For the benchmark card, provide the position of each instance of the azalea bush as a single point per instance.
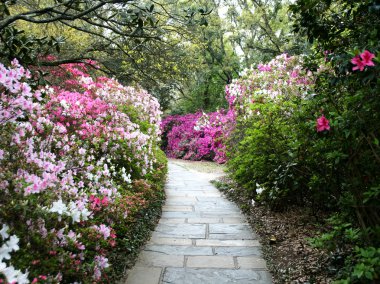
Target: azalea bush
(264, 148)
(307, 133)
(79, 166)
(197, 136)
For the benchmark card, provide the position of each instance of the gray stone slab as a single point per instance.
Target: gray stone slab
(180, 230)
(155, 259)
(238, 251)
(208, 198)
(170, 241)
(203, 220)
(173, 198)
(227, 243)
(172, 220)
(215, 276)
(195, 193)
(222, 214)
(240, 236)
(251, 262)
(179, 215)
(180, 202)
(144, 275)
(215, 205)
(214, 261)
(229, 228)
(179, 250)
(234, 220)
(230, 232)
(177, 208)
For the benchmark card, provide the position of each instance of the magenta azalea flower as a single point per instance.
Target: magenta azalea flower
(365, 59)
(323, 124)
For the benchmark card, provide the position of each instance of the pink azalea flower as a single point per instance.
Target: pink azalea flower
(358, 62)
(365, 59)
(323, 124)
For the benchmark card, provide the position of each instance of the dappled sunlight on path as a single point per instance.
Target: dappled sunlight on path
(201, 237)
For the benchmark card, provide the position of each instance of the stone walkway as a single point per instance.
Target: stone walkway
(202, 238)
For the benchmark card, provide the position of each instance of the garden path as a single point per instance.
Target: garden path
(202, 238)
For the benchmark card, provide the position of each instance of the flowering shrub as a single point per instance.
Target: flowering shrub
(197, 136)
(311, 139)
(266, 102)
(68, 162)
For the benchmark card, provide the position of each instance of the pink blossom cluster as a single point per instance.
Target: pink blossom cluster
(198, 136)
(323, 124)
(281, 77)
(67, 158)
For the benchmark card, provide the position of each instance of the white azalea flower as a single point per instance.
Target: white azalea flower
(74, 212)
(2, 266)
(14, 276)
(13, 243)
(3, 231)
(85, 214)
(58, 207)
(22, 278)
(259, 189)
(5, 252)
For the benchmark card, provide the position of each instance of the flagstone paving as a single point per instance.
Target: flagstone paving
(202, 238)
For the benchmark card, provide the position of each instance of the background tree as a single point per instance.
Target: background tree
(261, 29)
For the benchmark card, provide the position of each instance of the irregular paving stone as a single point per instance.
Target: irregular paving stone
(179, 250)
(215, 276)
(238, 251)
(222, 214)
(235, 220)
(251, 262)
(200, 206)
(144, 275)
(178, 208)
(228, 243)
(240, 236)
(148, 258)
(203, 220)
(192, 193)
(228, 228)
(214, 261)
(180, 215)
(180, 202)
(180, 230)
(230, 231)
(173, 220)
(170, 241)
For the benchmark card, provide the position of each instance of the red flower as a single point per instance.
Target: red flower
(323, 124)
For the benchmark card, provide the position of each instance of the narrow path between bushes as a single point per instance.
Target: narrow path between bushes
(202, 238)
